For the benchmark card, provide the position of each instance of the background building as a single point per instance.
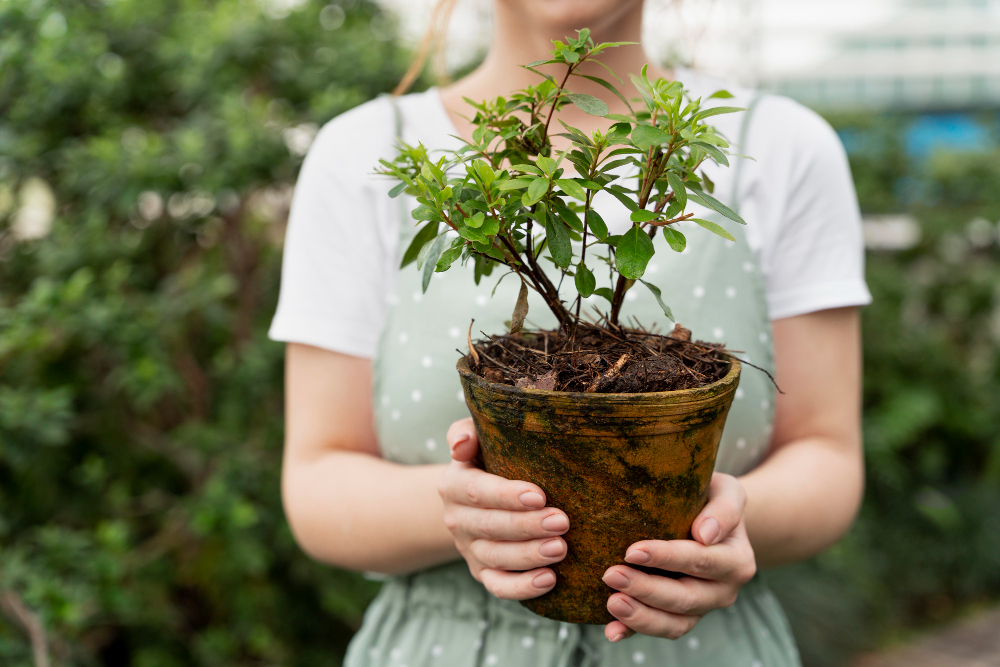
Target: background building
(927, 54)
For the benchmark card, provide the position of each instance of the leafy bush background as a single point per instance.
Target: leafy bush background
(140, 402)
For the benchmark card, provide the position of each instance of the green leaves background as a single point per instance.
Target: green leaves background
(140, 400)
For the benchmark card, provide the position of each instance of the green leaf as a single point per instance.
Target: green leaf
(472, 234)
(714, 139)
(659, 298)
(482, 266)
(575, 135)
(677, 185)
(596, 224)
(476, 220)
(568, 215)
(476, 204)
(647, 136)
(546, 164)
(490, 227)
(514, 183)
(429, 261)
(672, 211)
(572, 188)
(714, 228)
(622, 195)
(716, 111)
(642, 215)
(634, 251)
(485, 172)
(588, 103)
(709, 185)
(398, 190)
(711, 202)
(720, 95)
(608, 85)
(420, 239)
(535, 192)
(448, 257)
(675, 239)
(585, 280)
(424, 213)
(558, 238)
(488, 249)
(614, 164)
(606, 292)
(607, 45)
(716, 154)
(529, 168)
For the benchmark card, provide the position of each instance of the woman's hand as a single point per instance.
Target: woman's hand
(501, 527)
(718, 561)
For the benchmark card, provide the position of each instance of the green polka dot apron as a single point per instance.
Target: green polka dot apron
(444, 617)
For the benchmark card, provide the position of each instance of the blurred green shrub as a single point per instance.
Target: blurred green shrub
(927, 544)
(147, 151)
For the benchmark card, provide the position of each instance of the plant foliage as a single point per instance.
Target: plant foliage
(147, 151)
(505, 199)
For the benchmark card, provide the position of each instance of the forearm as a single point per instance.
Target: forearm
(802, 499)
(360, 512)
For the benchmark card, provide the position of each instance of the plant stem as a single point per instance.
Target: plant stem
(586, 225)
(555, 101)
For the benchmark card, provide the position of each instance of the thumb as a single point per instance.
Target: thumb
(724, 511)
(463, 440)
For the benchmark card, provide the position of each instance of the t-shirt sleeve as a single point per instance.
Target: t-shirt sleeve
(336, 267)
(815, 257)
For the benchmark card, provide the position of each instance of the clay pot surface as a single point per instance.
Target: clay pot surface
(624, 468)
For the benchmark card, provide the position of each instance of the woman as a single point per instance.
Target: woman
(368, 485)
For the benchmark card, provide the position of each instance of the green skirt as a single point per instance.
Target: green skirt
(445, 618)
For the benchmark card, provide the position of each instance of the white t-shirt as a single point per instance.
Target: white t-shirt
(342, 249)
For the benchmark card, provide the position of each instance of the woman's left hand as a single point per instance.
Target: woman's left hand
(719, 560)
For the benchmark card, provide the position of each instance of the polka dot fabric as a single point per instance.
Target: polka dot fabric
(443, 617)
(448, 620)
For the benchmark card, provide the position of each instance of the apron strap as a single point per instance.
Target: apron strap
(734, 202)
(397, 123)
(397, 117)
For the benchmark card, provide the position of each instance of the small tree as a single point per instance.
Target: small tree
(515, 199)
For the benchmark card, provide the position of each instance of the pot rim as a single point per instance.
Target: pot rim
(720, 387)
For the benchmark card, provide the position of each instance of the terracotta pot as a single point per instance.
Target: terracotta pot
(624, 468)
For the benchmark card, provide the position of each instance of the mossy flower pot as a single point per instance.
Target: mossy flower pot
(624, 468)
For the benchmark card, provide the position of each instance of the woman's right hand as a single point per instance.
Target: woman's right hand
(501, 527)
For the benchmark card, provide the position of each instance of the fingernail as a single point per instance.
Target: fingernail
(709, 531)
(532, 499)
(552, 548)
(555, 523)
(459, 440)
(637, 556)
(544, 580)
(616, 579)
(620, 608)
(617, 638)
